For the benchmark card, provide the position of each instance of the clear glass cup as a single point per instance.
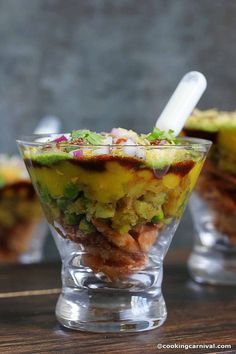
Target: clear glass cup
(113, 216)
(22, 224)
(213, 208)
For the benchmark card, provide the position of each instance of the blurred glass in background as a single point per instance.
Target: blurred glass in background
(213, 204)
(22, 224)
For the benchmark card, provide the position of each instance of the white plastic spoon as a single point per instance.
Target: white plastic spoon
(182, 102)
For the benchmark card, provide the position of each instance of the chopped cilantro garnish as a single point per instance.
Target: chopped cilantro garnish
(91, 137)
(1, 181)
(158, 134)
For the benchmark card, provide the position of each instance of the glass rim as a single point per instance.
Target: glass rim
(193, 143)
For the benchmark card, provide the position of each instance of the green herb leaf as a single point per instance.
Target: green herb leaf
(158, 134)
(91, 137)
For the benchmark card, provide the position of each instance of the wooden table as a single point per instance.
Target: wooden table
(196, 315)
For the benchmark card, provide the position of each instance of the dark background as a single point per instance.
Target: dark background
(105, 63)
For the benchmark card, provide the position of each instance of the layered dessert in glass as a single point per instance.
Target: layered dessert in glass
(22, 228)
(113, 202)
(213, 204)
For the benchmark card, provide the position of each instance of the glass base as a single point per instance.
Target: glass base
(211, 266)
(98, 310)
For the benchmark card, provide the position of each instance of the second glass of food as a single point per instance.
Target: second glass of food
(22, 224)
(213, 203)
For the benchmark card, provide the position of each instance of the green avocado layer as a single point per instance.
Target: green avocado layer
(154, 158)
(211, 120)
(50, 158)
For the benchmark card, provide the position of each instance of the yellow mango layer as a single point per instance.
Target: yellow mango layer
(116, 182)
(194, 173)
(106, 186)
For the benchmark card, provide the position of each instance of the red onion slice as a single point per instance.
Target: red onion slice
(60, 139)
(77, 153)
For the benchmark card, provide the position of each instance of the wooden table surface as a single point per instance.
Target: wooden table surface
(196, 315)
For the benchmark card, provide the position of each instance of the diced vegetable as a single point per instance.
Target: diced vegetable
(60, 139)
(71, 191)
(45, 196)
(86, 226)
(72, 219)
(160, 216)
(77, 153)
(62, 203)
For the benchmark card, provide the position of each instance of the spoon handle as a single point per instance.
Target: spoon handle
(182, 102)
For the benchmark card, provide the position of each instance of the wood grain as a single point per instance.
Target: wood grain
(196, 315)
